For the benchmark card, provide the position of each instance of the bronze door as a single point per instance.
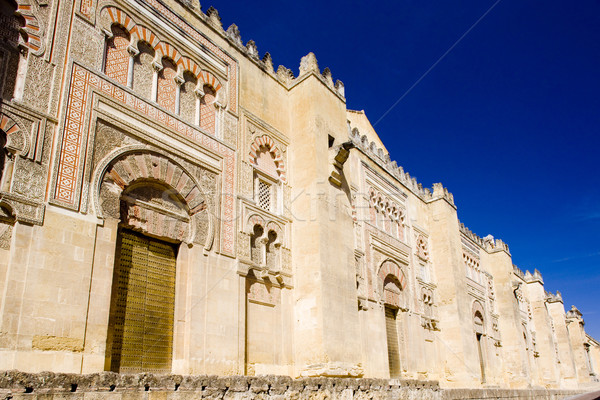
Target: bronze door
(143, 305)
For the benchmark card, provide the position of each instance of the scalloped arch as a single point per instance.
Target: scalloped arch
(267, 142)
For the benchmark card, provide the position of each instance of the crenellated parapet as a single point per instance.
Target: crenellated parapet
(536, 276)
(488, 243)
(519, 272)
(473, 236)
(382, 158)
(308, 63)
(554, 298)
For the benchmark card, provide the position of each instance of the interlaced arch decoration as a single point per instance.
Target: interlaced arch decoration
(110, 15)
(265, 143)
(135, 167)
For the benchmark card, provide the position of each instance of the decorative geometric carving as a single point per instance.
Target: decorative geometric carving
(152, 193)
(117, 57)
(230, 130)
(386, 214)
(5, 234)
(112, 15)
(67, 180)
(422, 250)
(86, 7)
(24, 209)
(262, 293)
(29, 179)
(166, 90)
(7, 221)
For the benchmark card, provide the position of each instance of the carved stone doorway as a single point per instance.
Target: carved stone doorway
(140, 335)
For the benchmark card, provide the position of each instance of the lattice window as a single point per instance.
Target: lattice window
(264, 195)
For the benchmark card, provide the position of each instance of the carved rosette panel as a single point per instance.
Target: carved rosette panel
(422, 247)
(208, 185)
(202, 223)
(107, 139)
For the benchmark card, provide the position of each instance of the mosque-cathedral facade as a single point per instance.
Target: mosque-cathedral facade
(171, 203)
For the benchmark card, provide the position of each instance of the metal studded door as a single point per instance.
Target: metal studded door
(143, 305)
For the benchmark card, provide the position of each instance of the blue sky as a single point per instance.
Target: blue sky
(508, 120)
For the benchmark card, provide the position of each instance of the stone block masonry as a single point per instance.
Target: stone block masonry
(16, 385)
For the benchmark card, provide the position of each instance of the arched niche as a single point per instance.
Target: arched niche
(478, 317)
(392, 284)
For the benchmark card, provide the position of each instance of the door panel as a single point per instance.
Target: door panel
(142, 314)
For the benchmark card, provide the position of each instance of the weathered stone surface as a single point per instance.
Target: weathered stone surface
(300, 248)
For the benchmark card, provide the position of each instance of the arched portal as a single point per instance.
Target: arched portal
(158, 205)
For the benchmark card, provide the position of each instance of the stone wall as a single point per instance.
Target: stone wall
(16, 385)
